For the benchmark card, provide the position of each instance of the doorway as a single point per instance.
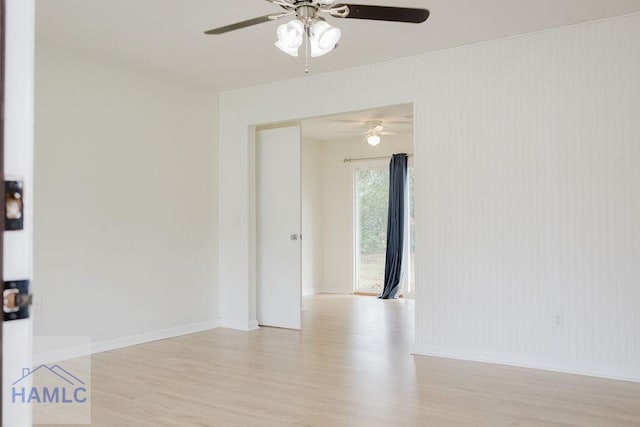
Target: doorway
(336, 162)
(345, 188)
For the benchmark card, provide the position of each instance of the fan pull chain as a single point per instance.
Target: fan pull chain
(306, 51)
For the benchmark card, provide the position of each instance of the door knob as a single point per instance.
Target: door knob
(294, 237)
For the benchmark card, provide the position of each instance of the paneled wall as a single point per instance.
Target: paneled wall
(530, 201)
(527, 161)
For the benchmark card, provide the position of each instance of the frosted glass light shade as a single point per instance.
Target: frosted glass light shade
(293, 51)
(290, 37)
(324, 38)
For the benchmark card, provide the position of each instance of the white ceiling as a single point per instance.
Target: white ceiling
(167, 35)
(396, 118)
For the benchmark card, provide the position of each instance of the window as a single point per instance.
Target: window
(371, 206)
(372, 195)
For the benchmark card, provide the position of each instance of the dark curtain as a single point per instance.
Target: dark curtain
(395, 226)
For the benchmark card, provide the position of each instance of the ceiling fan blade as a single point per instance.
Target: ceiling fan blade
(398, 122)
(285, 4)
(384, 13)
(239, 25)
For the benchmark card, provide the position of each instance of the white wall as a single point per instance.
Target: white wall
(126, 179)
(338, 204)
(312, 236)
(527, 197)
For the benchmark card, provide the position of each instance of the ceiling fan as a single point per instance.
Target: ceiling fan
(310, 27)
(375, 131)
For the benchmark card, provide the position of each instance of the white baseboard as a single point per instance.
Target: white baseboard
(116, 343)
(336, 291)
(253, 325)
(313, 291)
(585, 369)
(240, 325)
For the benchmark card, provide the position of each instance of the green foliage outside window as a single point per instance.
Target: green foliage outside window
(373, 200)
(374, 195)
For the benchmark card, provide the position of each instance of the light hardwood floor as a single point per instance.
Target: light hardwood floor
(350, 366)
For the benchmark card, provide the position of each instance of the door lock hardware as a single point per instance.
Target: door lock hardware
(16, 300)
(13, 205)
(294, 237)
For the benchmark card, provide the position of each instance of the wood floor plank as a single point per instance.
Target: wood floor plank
(349, 366)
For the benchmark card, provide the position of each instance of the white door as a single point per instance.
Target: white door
(278, 250)
(18, 166)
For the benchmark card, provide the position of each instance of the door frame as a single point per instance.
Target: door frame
(2, 204)
(241, 129)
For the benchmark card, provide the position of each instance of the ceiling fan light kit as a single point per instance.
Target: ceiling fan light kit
(374, 133)
(290, 37)
(374, 140)
(324, 38)
(321, 36)
(310, 28)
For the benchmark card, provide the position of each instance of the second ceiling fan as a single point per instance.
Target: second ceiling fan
(309, 24)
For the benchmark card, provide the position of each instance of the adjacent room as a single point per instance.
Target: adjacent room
(399, 213)
(329, 179)
(345, 199)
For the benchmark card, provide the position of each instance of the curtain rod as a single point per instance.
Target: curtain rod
(350, 160)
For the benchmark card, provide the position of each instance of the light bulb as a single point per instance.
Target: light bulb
(373, 140)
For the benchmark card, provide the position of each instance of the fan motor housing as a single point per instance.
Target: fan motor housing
(306, 10)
